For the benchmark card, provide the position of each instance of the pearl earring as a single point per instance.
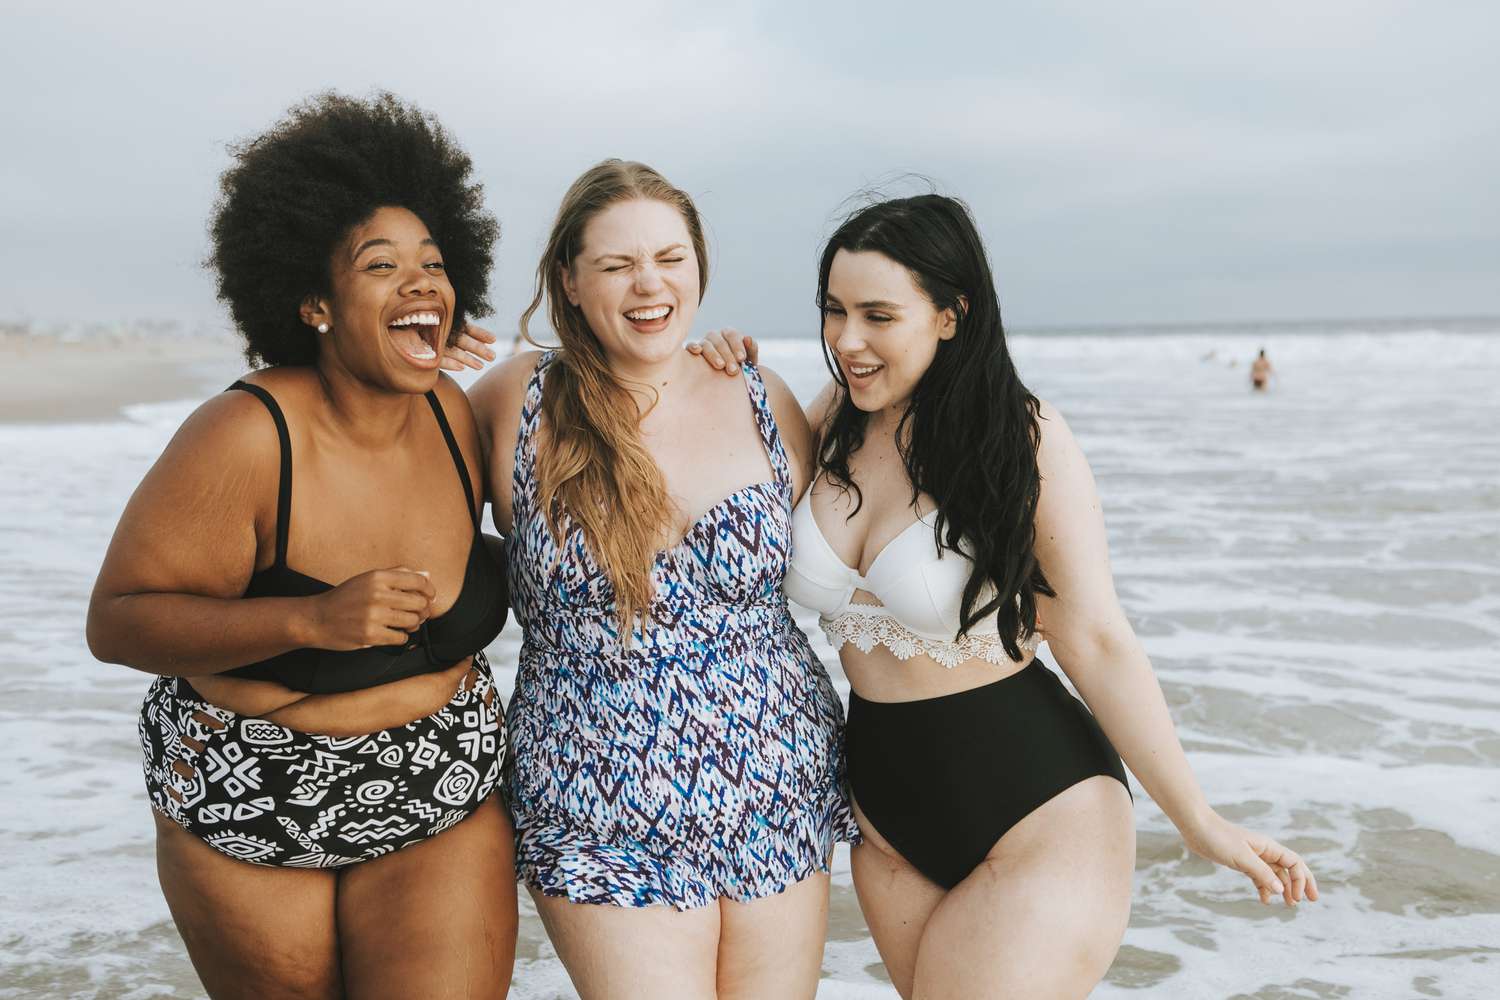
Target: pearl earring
(322, 327)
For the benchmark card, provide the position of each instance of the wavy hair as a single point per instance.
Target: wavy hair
(595, 470)
(970, 432)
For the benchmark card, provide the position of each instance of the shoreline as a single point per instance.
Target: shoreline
(45, 380)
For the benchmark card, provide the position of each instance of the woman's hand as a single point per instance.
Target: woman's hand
(468, 350)
(725, 348)
(379, 608)
(1275, 870)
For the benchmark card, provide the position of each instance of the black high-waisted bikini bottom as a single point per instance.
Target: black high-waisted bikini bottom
(942, 779)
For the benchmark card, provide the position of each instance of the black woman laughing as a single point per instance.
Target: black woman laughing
(303, 570)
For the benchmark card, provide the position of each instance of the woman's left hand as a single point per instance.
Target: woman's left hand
(1275, 870)
(468, 350)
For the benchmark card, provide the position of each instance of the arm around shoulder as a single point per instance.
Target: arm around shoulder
(791, 421)
(497, 399)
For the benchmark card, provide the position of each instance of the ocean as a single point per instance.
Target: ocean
(1314, 570)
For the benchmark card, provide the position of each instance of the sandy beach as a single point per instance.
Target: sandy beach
(48, 380)
(1315, 572)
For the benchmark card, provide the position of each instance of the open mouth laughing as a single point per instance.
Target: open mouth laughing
(416, 334)
(649, 319)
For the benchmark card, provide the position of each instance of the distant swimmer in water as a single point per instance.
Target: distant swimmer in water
(1261, 371)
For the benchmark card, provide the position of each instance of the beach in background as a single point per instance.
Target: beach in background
(1315, 572)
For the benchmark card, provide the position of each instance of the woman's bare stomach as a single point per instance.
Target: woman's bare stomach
(348, 713)
(879, 676)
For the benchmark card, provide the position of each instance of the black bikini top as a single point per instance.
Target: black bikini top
(476, 617)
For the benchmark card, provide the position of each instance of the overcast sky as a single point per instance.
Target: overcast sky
(1127, 162)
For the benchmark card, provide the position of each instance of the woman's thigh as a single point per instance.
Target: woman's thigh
(251, 931)
(437, 919)
(896, 899)
(1044, 913)
(634, 953)
(773, 947)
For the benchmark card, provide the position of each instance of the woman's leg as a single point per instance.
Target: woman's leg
(634, 953)
(437, 919)
(251, 931)
(1044, 913)
(773, 947)
(897, 901)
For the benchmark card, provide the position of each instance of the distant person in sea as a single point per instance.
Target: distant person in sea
(953, 525)
(675, 773)
(321, 756)
(1261, 372)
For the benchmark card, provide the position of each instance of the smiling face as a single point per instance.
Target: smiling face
(881, 328)
(636, 281)
(391, 305)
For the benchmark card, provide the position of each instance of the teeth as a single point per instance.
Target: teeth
(426, 354)
(865, 371)
(640, 315)
(418, 319)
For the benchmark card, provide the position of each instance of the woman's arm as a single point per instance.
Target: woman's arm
(497, 399)
(167, 599)
(1087, 631)
(796, 436)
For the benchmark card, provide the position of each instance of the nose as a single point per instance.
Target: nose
(848, 339)
(647, 278)
(418, 281)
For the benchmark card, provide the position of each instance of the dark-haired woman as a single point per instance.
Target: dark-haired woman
(954, 523)
(303, 569)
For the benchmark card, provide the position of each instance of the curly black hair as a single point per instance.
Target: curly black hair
(296, 191)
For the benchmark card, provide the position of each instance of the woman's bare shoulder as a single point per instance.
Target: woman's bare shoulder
(504, 386)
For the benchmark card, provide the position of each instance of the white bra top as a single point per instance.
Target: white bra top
(919, 585)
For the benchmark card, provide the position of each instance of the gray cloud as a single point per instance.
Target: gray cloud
(1150, 161)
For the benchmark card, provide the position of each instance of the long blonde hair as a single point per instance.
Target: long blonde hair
(595, 469)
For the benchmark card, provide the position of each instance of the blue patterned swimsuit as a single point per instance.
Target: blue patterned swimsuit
(704, 760)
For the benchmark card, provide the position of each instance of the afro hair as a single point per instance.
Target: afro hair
(295, 192)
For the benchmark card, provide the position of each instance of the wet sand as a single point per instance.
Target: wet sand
(46, 380)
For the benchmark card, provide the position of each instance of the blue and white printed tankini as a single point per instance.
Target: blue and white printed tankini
(703, 761)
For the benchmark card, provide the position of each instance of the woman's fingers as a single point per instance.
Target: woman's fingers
(1266, 882)
(706, 350)
(476, 347)
(469, 349)
(1298, 878)
(476, 332)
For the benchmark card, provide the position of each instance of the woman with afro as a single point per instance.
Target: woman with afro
(303, 571)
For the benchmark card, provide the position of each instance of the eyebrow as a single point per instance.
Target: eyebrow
(872, 304)
(383, 242)
(626, 256)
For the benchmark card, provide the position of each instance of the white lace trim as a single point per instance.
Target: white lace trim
(869, 625)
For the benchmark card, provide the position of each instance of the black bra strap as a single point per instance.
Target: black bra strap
(458, 456)
(284, 488)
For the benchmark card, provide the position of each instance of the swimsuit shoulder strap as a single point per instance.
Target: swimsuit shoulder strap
(765, 420)
(456, 452)
(284, 486)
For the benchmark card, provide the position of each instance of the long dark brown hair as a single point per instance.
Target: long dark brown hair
(970, 432)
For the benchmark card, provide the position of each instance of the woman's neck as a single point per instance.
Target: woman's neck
(649, 384)
(367, 415)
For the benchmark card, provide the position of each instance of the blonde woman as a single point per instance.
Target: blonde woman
(675, 773)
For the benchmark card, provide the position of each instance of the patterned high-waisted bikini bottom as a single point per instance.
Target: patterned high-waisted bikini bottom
(263, 793)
